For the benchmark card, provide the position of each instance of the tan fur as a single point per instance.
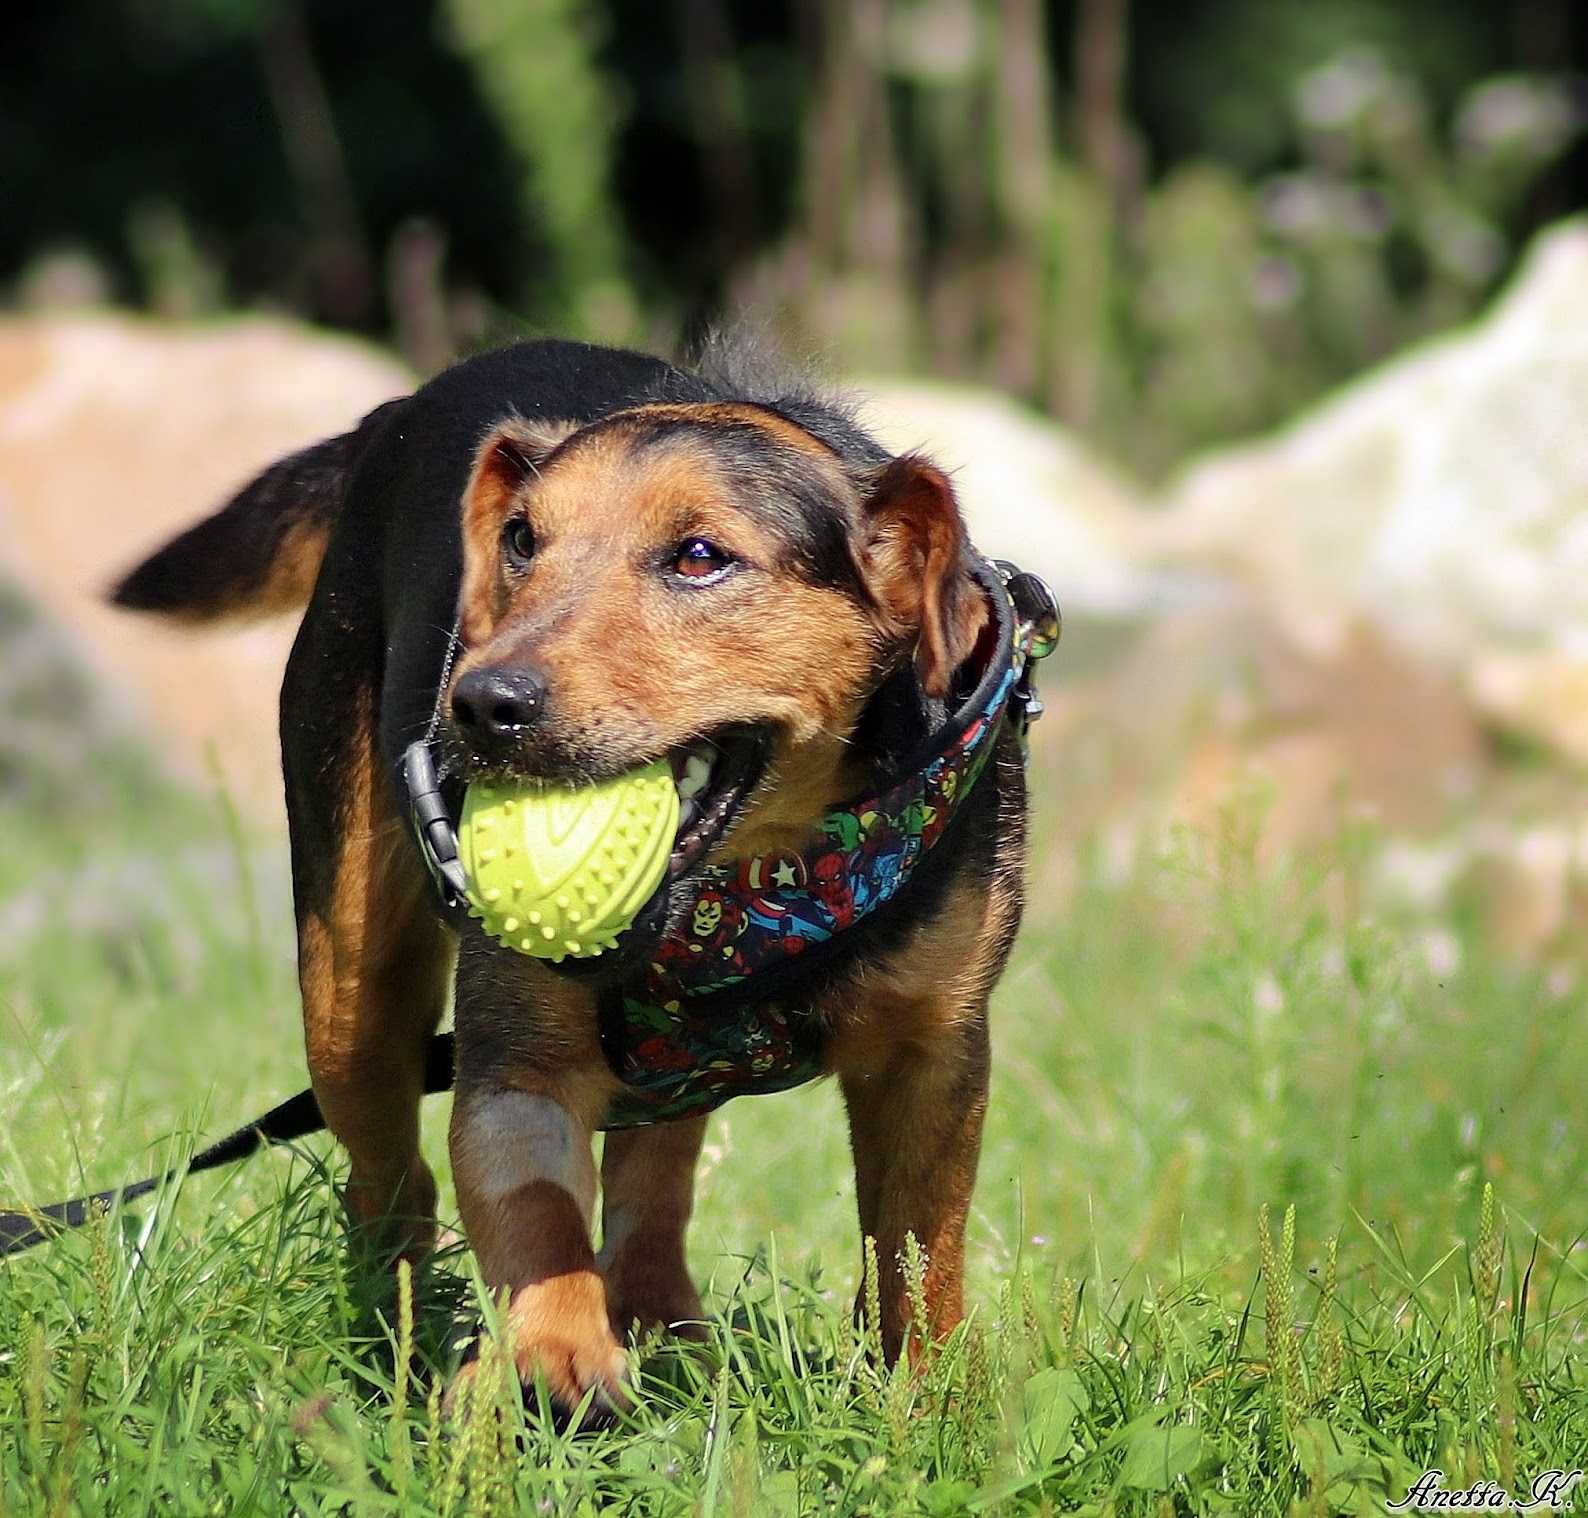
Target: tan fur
(914, 545)
(634, 665)
(803, 657)
(803, 654)
(526, 1205)
(628, 672)
(508, 454)
(289, 582)
(909, 1041)
(293, 571)
(373, 976)
(801, 785)
(647, 1194)
(556, 1324)
(910, 1049)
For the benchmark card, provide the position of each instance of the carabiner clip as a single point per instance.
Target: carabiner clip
(438, 838)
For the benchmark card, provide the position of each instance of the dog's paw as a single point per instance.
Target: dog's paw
(647, 1305)
(398, 1225)
(558, 1334)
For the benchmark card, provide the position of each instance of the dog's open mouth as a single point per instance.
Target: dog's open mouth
(714, 776)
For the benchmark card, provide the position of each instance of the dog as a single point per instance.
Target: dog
(564, 561)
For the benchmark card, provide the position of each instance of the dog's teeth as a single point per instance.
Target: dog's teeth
(687, 814)
(697, 776)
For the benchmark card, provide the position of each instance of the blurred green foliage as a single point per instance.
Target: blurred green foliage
(1167, 226)
(1241, 300)
(537, 72)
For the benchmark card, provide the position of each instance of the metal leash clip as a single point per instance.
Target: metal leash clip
(1037, 608)
(438, 838)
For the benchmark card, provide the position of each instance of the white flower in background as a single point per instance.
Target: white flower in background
(1517, 114)
(1342, 90)
(1441, 951)
(1268, 1000)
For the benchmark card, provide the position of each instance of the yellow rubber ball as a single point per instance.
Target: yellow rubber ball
(559, 871)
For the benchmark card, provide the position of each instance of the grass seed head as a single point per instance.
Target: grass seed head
(915, 1263)
(872, 1292)
(1489, 1251)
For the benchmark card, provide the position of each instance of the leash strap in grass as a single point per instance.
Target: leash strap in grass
(293, 1119)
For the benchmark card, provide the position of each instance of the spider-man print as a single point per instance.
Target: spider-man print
(830, 886)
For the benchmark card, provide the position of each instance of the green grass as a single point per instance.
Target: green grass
(1178, 1045)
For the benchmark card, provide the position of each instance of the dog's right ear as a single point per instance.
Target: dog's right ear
(511, 453)
(508, 458)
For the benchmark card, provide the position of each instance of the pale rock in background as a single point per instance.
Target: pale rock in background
(1336, 612)
(114, 434)
(1212, 702)
(1440, 498)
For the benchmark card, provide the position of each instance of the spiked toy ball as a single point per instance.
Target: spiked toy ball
(560, 871)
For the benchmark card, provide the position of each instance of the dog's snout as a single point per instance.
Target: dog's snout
(498, 702)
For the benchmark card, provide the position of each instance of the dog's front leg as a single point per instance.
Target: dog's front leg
(647, 1193)
(526, 1187)
(531, 1087)
(915, 1126)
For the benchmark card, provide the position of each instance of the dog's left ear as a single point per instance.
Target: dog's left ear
(913, 561)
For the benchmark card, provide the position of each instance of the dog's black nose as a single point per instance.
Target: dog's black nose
(498, 702)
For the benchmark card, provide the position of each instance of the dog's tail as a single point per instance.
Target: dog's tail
(261, 552)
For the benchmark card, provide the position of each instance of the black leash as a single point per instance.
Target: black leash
(298, 1115)
(293, 1119)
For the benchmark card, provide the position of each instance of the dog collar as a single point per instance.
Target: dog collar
(716, 1013)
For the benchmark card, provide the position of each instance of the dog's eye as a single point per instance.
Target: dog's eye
(518, 541)
(699, 559)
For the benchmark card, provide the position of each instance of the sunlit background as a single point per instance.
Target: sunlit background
(1259, 327)
(1166, 225)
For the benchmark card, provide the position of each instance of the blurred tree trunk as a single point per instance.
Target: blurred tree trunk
(857, 211)
(536, 62)
(948, 152)
(1082, 347)
(716, 104)
(959, 257)
(855, 202)
(1024, 152)
(341, 270)
(416, 293)
(1100, 133)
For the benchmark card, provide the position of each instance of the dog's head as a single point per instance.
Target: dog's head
(710, 582)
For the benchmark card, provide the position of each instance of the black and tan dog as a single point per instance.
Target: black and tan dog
(565, 561)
